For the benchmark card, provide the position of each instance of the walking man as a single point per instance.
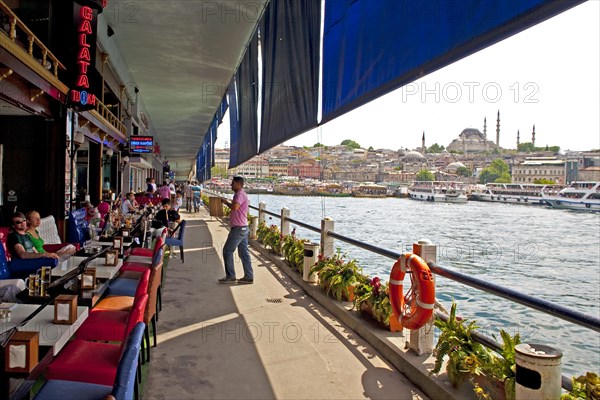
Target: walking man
(238, 235)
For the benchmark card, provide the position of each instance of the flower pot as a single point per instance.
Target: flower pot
(491, 386)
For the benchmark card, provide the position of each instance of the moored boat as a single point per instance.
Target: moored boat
(583, 196)
(515, 193)
(438, 191)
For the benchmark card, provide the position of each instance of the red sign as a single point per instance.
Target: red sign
(81, 96)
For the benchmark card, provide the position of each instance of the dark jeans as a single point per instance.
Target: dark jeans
(238, 238)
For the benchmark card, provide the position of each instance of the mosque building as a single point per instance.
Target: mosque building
(471, 140)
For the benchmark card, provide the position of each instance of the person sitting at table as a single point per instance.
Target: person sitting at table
(129, 205)
(33, 223)
(19, 243)
(165, 215)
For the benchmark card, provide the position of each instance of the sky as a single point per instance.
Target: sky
(547, 76)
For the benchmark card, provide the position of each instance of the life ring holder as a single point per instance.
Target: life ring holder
(415, 308)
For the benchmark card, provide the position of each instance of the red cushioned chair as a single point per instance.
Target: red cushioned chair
(91, 362)
(119, 302)
(124, 387)
(110, 325)
(148, 253)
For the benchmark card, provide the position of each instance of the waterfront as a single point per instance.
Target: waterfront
(551, 254)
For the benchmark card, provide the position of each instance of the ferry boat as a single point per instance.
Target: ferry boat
(370, 190)
(515, 193)
(583, 196)
(438, 191)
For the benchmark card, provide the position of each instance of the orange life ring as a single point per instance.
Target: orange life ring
(416, 307)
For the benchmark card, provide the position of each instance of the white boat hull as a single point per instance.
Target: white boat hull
(438, 197)
(573, 204)
(508, 199)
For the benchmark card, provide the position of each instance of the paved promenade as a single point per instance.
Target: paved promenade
(261, 341)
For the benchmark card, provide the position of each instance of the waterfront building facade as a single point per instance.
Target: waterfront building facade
(533, 168)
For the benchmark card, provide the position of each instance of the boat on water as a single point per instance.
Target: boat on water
(370, 190)
(438, 191)
(515, 193)
(583, 196)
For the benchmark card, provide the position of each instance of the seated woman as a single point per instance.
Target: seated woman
(129, 205)
(165, 217)
(33, 223)
(19, 243)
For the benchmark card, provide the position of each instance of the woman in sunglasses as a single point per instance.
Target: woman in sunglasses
(19, 243)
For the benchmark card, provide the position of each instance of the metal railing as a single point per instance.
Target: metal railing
(547, 307)
(14, 23)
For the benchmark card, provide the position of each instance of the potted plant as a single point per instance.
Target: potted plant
(584, 387)
(337, 276)
(373, 298)
(492, 376)
(293, 251)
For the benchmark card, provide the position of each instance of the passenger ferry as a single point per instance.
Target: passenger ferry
(438, 191)
(515, 193)
(583, 196)
(370, 190)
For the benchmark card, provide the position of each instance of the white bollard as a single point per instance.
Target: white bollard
(327, 225)
(421, 340)
(285, 224)
(253, 227)
(261, 211)
(311, 252)
(538, 372)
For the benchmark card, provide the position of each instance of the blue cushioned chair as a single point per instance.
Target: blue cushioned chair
(125, 381)
(19, 268)
(171, 241)
(77, 227)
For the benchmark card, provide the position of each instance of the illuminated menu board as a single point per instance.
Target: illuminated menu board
(141, 144)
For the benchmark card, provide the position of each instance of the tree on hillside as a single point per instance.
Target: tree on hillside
(371, 148)
(350, 144)
(463, 171)
(435, 148)
(497, 171)
(527, 147)
(318, 145)
(425, 175)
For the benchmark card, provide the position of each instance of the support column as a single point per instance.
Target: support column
(327, 225)
(285, 224)
(421, 340)
(261, 211)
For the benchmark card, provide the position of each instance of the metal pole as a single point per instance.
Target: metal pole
(72, 157)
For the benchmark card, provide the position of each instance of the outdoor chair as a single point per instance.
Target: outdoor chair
(178, 241)
(125, 382)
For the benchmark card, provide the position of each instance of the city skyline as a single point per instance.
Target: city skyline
(546, 76)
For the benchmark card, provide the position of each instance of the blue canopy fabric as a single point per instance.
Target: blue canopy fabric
(290, 44)
(243, 112)
(371, 47)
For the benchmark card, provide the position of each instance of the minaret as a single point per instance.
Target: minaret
(498, 131)
(484, 128)
(533, 137)
(423, 142)
(518, 139)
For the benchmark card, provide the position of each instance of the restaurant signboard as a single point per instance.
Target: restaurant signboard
(141, 144)
(83, 57)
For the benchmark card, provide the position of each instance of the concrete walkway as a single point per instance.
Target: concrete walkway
(261, 341)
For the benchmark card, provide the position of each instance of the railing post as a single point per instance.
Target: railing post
(285, 224)
(327, 225)
(261, 211)
(253, 227)
(421, 340)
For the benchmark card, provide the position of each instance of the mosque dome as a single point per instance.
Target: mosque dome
(472, 134)
(453, 167)
(414, 157)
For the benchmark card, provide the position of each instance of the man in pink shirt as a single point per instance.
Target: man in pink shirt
(238, 235)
